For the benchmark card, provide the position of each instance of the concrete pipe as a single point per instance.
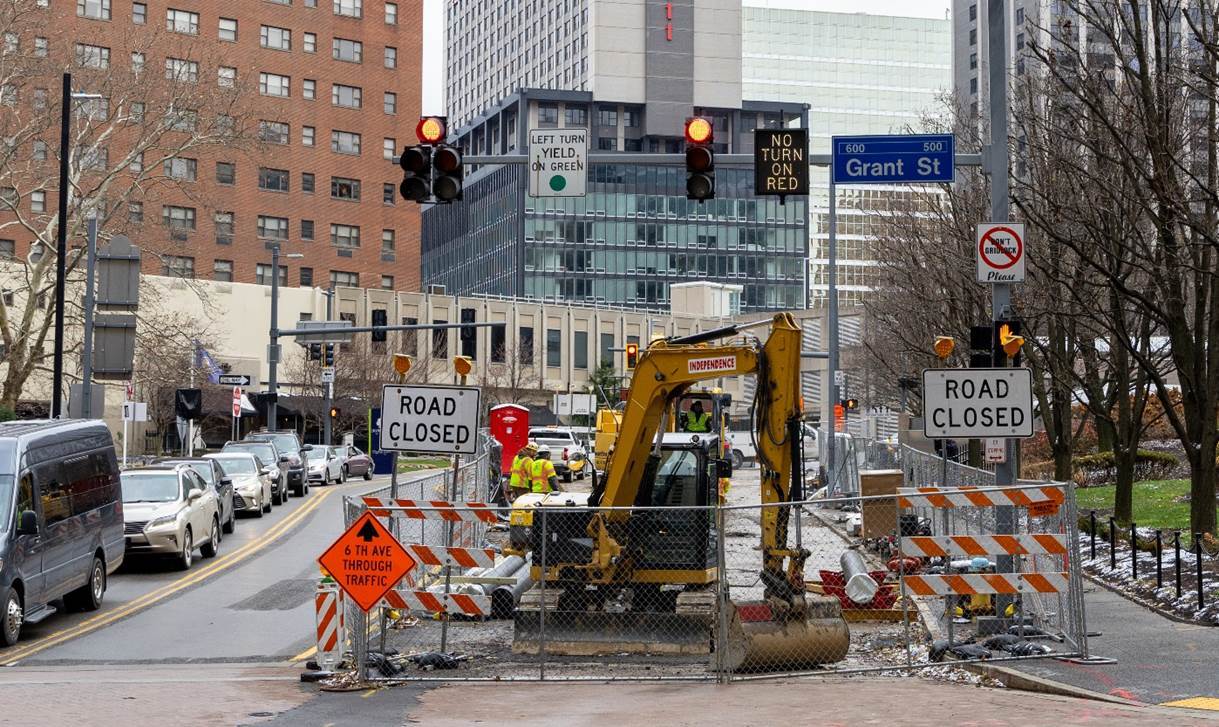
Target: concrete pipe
(504, 597)
(861, 588)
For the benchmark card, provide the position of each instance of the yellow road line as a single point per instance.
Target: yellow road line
(1210, 703)
(368, 694)
(105, 619)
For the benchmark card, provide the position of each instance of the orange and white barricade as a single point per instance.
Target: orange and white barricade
(458, 604)
(971, 584)
(331, 631)
(937, 546)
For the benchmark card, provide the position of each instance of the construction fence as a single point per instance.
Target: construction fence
(891, 582)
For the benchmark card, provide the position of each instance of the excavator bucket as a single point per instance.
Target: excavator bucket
(762, 637)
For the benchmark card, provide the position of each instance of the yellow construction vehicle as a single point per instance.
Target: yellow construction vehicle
(627, 573)
(608, 421)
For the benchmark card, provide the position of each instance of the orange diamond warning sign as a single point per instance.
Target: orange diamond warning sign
(367, 561)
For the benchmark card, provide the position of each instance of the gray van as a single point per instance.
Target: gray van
(61, 519)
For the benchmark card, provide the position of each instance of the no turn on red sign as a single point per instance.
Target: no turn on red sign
(1000, 252)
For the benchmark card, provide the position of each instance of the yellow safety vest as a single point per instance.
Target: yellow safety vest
(698, 422)
(540, 473)
(521, 468)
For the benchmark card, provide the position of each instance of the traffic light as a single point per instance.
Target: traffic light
(379, 318)
(432, 169)
(700, 159)
(632, 355)
(1008, 342)
(315, 352)
(328, 355)
(850, 404)
(334, 412)
(416, 163)
(449, 173)
(944, 346)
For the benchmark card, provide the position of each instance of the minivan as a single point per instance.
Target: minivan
(61, 519)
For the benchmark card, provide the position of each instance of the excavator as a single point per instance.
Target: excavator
(632, 566)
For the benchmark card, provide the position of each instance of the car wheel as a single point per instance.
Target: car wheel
(277, 497)
(89, 596)
(567, 476)
(231, 525)
(10, 629)
(213, 543)
(265, 507)
(368, 473)
(343, 475)
(738, 459)
(187, 556)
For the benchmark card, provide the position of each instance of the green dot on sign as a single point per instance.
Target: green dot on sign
(558, 182)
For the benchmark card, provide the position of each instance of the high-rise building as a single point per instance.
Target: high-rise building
(1026, 24)
(859, 74)
(645, 68)
(282, 120)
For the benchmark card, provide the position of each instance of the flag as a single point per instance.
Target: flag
(205, 361)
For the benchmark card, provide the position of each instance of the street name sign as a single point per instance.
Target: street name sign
(234, 380)
(558, 162)
(434, 419)
(1000, 252)
(977, 403)
(780, 161)
(900, 159)
(366, 561)
(324, 332)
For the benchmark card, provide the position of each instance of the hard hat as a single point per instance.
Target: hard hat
(532, 446)
(543, 451)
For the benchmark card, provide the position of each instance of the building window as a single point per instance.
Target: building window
(273, 180)
(345, 236)
(226, 173)
(580, 349)
(349, 8)
(526, 345)
(135, 212)
(182, 21)
(973, 61)
(308, 135)
(182, 169)
(307, 183)
(1019, 41)
(262, 274)
(178, 266)
(38, 201)
(344, 279)
(9, 197)
(137, 112)
(92, 56)
(350, 97)
(390, 103)
(607, 144)
(387, 242)
(607, 349)
(274, 228)
(499, 344)
(226, 77)
(273, 132)
(973, 85)
(548, 115)
(179, 218)
(973, 36)
(344, 188)
(222, 270)
(183, 119)
(224, 227)
(576, 116)
(181, 69)
(973, 12)
(630, 119)
(41, 47)
(391, 57)
(228, 30)
(345, 142)
(309, 89)
(440, 341)
(351, 51)
(388, 147)
(275, 38)
(273, 84)
(137, 63)
(306, 229)
(139, 13)
(554, 348)
(391, 13)
(607, 117)
(388, 194)
(40, 151)
(306, 277)
(40, 99)
(636, 145)
(1019, 16)
(93, 9)
(387, 282)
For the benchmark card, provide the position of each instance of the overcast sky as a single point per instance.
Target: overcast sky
(433, 31)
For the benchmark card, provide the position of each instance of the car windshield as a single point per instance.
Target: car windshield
(205, 471)
(237, 465)
(264, 450)
(6, 501)
(316, 454)
(150, 487)
(285, 442)
(336, 451)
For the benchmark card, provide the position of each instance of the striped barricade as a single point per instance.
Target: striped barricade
(435, 510)
(942, 497)
(438, 555)
(328, 607)
(968, 584)
(460, 604)
(937, 546)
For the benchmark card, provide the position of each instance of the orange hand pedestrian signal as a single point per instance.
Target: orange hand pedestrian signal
(1011, 343)
(366, 561)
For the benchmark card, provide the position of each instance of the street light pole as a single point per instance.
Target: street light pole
(329, 386)
(273, 349)
(61, 246)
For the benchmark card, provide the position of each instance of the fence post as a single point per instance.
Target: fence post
(901, 580)
(1198, 563)
(721, 599)
(1092, 530)
(542, 592)
(1159, 559)
(1134, 552)
(1176, 544)
(1112, 545)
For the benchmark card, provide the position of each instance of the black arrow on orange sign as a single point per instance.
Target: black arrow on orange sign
(368, 533)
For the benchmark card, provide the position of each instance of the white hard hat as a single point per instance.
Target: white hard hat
(543, 451)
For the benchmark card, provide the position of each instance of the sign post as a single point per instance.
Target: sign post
(1001, 252)
(236, 412)
(558, 162)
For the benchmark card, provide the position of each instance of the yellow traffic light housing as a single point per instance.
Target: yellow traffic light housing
(463, 365)
(944, 346)
(1010, 343)
(402, 363)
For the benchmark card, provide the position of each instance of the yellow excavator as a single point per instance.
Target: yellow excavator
(626, 571)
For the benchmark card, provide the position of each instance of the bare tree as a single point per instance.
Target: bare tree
(511, 378)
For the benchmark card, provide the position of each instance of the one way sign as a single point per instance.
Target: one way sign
(366, 561)
(234, 380)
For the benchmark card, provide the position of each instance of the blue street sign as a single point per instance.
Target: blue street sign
(901, 159)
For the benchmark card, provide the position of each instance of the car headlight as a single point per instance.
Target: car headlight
(249, 488)
(162, 522)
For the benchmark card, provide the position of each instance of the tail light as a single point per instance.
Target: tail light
(565, 454)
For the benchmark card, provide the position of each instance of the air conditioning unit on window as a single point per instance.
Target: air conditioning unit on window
(436, 290)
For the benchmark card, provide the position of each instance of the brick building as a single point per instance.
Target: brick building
(321, 93)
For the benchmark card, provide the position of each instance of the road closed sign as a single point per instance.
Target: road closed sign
(558, 162)
(432, 419)
(977, 403)
(1000, 252)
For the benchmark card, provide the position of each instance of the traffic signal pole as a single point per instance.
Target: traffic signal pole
(329, 403)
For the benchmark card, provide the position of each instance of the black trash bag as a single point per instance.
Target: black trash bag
(435, 660)
(1000, 642)
(1026, 648)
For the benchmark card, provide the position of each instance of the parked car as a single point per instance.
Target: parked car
(170, 510)
(324, 466)
(290, 444)
(357, 462)
(267, 452)
(221, 483)
(251, 481)
(61, 519)
(742, 450)
(568, 454)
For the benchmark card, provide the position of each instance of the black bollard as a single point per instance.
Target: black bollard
(1176, 545)
(1093, 530)
(1134, 552)
(1159, 559)
(1198, 561)
(1112, 546)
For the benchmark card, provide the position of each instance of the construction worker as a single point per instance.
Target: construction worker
(522, 470)
(544, 478)
(698, 420)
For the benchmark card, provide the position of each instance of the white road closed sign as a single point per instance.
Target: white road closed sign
(433, 419)
(558, 162)
(977, 403)
(1001, 252)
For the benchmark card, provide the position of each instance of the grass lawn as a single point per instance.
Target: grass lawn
(1155, 503)
(414, 464)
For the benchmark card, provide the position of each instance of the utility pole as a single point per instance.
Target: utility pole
(329, 403)
(273, 349)
(86, 386)
(61, 245)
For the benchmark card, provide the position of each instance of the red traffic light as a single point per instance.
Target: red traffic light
(431, 129)
(699, 130)
(632, 355)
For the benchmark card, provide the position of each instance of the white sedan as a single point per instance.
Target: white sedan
(251, 481)
(323, 465)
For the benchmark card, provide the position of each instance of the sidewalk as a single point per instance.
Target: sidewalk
(1158, 660)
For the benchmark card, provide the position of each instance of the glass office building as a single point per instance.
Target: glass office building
(634, 233)
(859, 74)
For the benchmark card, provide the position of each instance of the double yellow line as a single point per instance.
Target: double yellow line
(148, 599)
